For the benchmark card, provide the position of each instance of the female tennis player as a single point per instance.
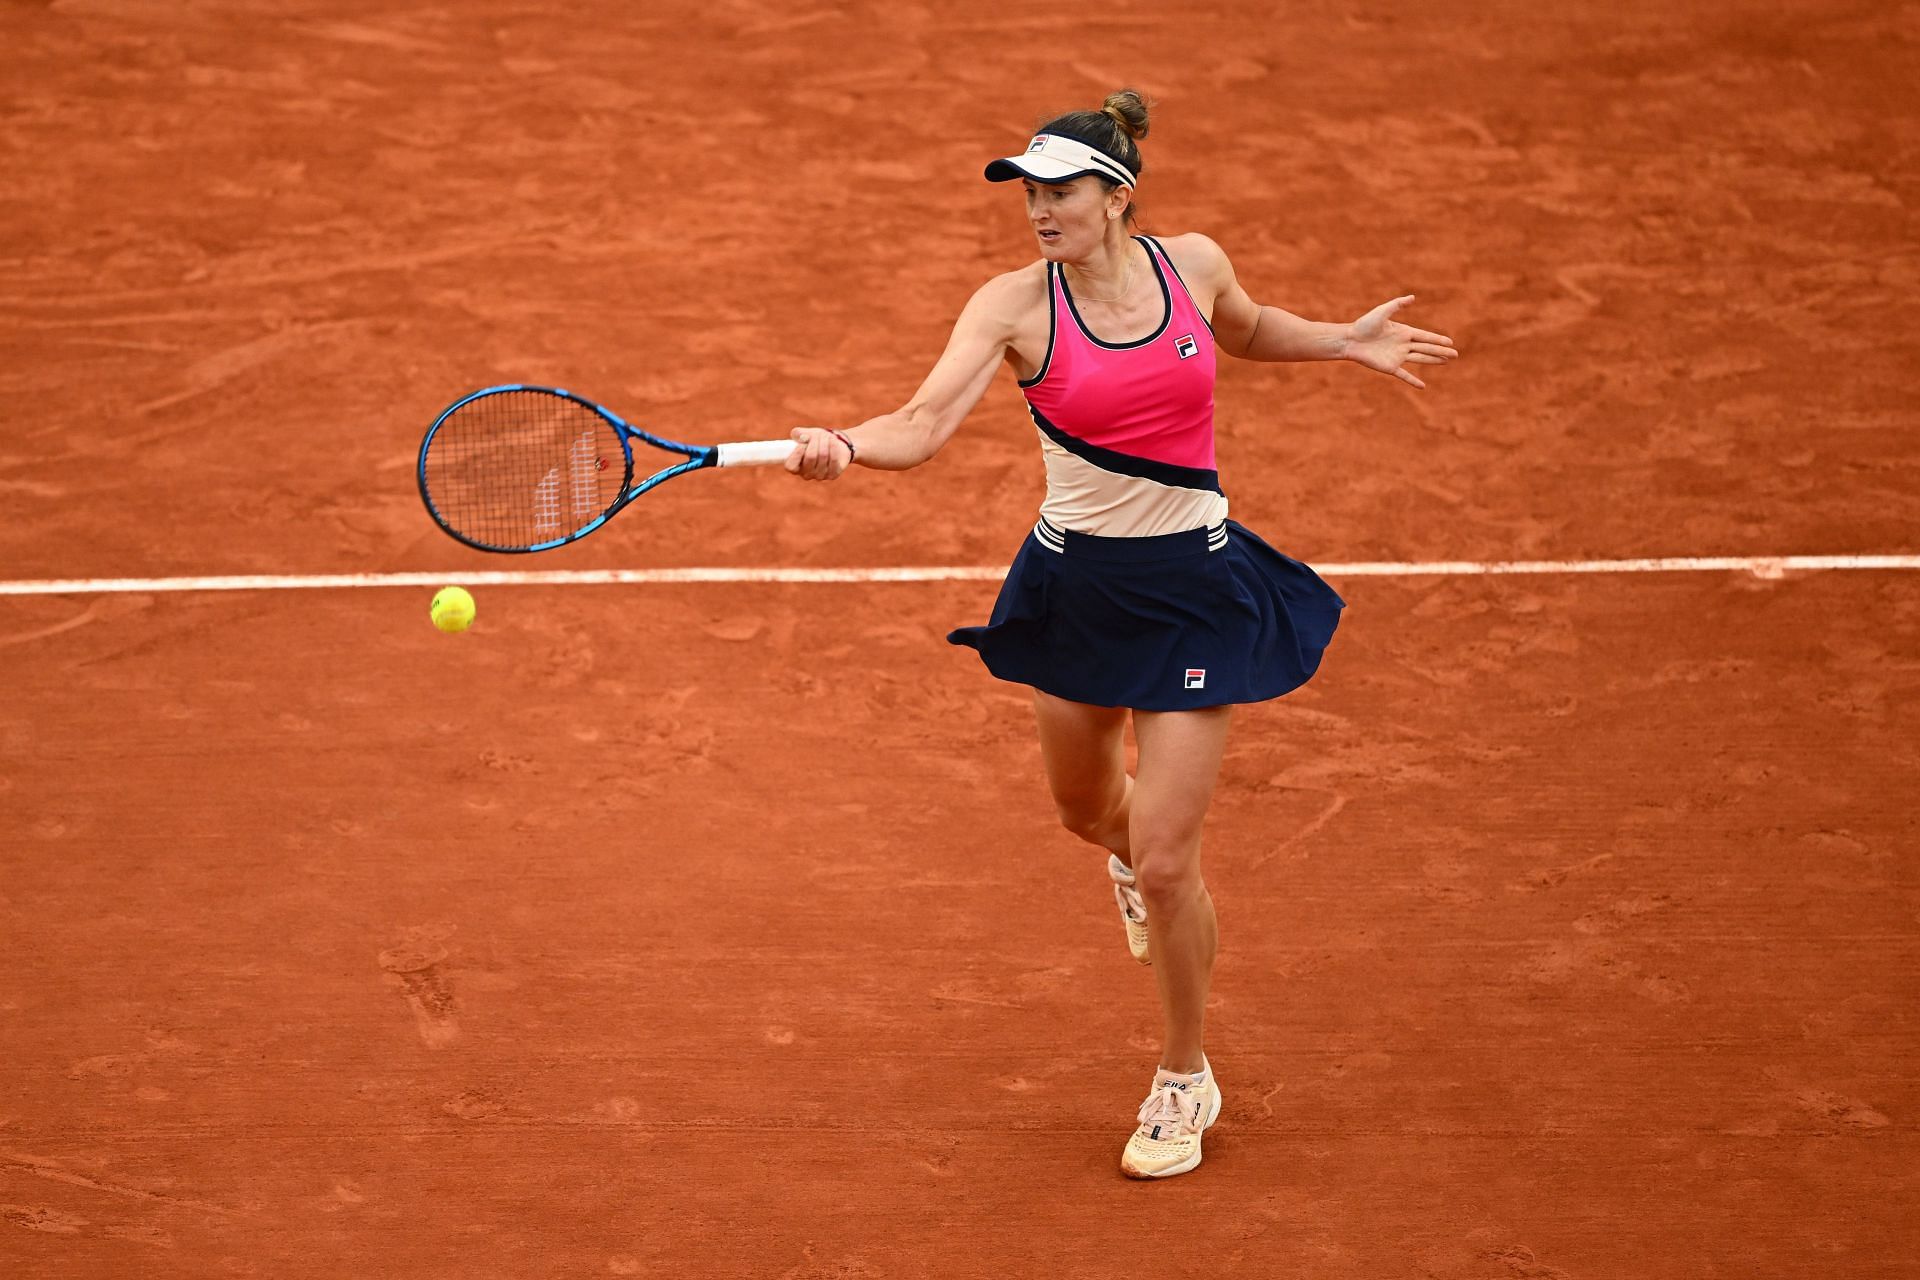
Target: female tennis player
(1134, 594)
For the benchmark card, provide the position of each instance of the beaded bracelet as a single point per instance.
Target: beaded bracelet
(852, 452)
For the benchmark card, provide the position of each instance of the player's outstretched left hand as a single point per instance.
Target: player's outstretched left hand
(819, 455)
(1380, 342)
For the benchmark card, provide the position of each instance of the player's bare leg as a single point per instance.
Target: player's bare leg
(1085, 751)
(1086, 757)
(1180, 753)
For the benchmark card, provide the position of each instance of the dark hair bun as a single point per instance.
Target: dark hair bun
(1128, 110)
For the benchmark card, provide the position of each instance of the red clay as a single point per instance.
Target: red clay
(1569, 922)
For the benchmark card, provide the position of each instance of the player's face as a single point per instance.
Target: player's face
(1068, 218)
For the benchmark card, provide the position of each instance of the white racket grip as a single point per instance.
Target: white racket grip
(754, 453)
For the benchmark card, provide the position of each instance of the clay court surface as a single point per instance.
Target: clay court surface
(1570, 921)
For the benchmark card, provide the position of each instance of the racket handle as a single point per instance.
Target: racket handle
(753, 453)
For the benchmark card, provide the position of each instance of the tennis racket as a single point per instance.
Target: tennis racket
(519, 468)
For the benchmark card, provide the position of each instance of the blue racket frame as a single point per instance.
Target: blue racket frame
(698, 456)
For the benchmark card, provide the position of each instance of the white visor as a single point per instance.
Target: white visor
(1054, 157)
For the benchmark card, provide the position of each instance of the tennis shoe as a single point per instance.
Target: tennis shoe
(1178, 1110)
(1133, 908)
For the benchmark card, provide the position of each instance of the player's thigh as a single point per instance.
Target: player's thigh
(1085, 751)
(1180, 754)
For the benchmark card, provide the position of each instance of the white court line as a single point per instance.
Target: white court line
(1759, 566)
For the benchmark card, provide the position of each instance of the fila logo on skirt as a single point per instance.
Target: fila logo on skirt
(1196, 677)
(1186, 346)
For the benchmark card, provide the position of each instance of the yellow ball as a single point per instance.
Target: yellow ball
(452, 609)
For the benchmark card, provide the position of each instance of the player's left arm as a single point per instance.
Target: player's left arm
(1244, 328)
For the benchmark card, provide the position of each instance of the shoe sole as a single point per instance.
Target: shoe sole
(1213, 1113)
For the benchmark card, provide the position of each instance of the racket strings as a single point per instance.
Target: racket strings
(519, 469)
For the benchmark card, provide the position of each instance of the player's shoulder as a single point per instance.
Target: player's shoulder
(1009, 297)
(1022, 284)
(1195, 256)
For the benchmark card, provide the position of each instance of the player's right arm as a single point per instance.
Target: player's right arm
(915, 432)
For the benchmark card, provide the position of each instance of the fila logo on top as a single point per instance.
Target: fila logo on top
(1196, 677)
(1186, 346)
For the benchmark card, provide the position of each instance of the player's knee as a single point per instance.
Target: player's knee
(1168, 878)
(1086, 817)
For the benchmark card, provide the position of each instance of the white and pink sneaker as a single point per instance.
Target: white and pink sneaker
(1178, 1110)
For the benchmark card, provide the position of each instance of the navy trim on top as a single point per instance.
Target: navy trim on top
(1053, 328)
(1204, 317)
(1126, 464)
(1166, 298)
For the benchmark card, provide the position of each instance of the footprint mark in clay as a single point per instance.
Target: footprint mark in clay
(1838, 1108)
(415, 965)
(40, 1217)
(474, 1104)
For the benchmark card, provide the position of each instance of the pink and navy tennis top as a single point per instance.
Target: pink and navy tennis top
(1126, 428)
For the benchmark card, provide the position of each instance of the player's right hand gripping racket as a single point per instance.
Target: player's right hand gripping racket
(518, 468)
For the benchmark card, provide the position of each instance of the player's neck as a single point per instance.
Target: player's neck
(1108, 273)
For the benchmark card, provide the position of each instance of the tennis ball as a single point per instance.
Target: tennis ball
(452, 609)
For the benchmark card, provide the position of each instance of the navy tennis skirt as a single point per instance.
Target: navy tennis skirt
(1201, 618)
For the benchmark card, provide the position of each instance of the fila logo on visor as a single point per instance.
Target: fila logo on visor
(1038, 144)
(1196, 677)
(1186, 346)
